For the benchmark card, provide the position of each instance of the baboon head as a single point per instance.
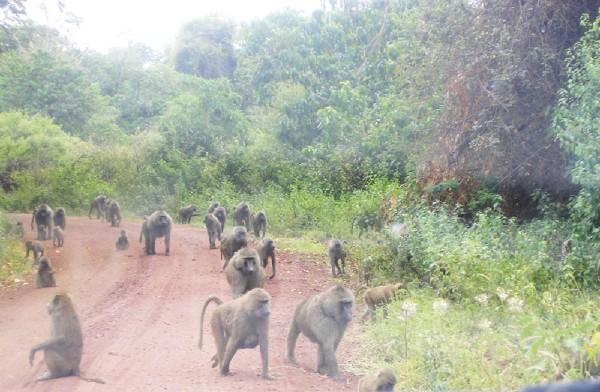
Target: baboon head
(206, 219)
(239, 236)
(162, 220)
(260, 304)
(60, 302)
(123, 233)
(269, 244)
(246, 260)
(338, 304)
(43, 211)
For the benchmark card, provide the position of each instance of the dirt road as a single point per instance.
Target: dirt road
(140, 317)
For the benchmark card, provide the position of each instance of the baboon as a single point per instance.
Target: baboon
(231, 243)
(186, 213)
(213, 228)
(43, 217)
(379, 297)
(241, 323)
(59, 236)
(382, 381)
(266, 250)
(573, 386)
(36, 248)
(45, 274)
(323, 318)
(98, 205)
(60, 218)
(337, 252)
(259, 223)
(62, 352)
(221, 215)
(566, 248)
(241, 216)
(156, 226)
(113, 213)
(122, 241)
(213, 206)
(244, 272)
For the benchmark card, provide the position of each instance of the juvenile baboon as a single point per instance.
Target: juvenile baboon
(122, 241)
(241, 323)
(113, 213)
(337, 252)
(244, 272)
(566, 248)
(379, 297)
(241, 215)
(98, 205)
(213, 228)
(36, 248)
(259, 224)
(59, 236)
(221, 215)
(45, 274)
(156, 226)
(43, 218)
(323, 319)
(62, 352)
(237, 239)
(266, 250)
(60, 218)
(213, 206)
(382, 381)
(186, 213)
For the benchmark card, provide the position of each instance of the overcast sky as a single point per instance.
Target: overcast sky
(109, 23)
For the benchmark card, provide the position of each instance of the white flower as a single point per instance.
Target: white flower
(484, 324)
(515, 304)
(440, 306)
(502, 294)
(482, 298)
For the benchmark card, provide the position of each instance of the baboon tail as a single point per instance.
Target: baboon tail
(212, 298)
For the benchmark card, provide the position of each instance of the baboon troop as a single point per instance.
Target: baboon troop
(62, 352)
(59, 236)
(213, 228)
(266, 251)
(186, 213)
(45, 274)
(60, 218)
(238, 324)
(155, 226)
(383, 380)
(122, 241)
(34, 247)
(379, 297)
(244, 272)
(212, 207)
(221, 215)
(237, 239)
(113, 213)
(43, 218)
(259, 224)
(241, 216)
(99, 206)
(337, 253)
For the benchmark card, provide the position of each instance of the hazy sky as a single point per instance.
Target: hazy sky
(109, 23)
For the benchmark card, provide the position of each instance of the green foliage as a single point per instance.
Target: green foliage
(13, 266)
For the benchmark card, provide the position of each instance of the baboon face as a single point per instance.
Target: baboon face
(270, 245)
(263, 308)
(162, 221)
(123, 233)
(43, 212)
(240, 236)
(249, 265)
(206, 220)
(345, 310)
(60, 301)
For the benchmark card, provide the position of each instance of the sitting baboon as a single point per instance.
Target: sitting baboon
(382, 381)
(221, 215)
(114, 213)
(98, 205)
(122, 241)
(379, 297)
(237, 239)
(241, 216)
(241, 323)
(156, 226)
(566, 248)
(323, 318)
(186, 213)
(244, 272)
(45, 274)
(266, 250)
(36, 248)
(62, 352)
(213, 228)
(212, 207)
(337, 252)
(259, 224)
(60, 218)
(43, 218)
(59, 236)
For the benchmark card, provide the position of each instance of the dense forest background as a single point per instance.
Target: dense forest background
(474, 123)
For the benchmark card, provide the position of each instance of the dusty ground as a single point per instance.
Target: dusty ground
(140, 317)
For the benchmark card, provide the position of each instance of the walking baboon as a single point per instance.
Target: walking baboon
(383, 380)
(213, 206)
(244, 272)
(113, 213)
(241, 216)
(36, 248)
(62, 352)
(59, 236)
(323, 318)
(237, 239)
(98, 205)
(60, 218)
(337, 252)
(213, 228)
(241, 323)
(122, 241)
(43, 218)
(186, 213)
(221, 215)
(566, 248)
(45, 274)
(266, 250)
(156, 226)
(379, 297)
(259, 224)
